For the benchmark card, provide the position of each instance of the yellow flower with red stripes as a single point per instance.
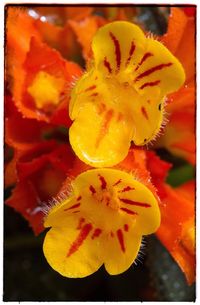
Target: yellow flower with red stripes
(102, 222)
(121, 97)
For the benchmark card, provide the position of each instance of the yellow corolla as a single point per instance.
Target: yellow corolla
(121, 97)
(102, 222)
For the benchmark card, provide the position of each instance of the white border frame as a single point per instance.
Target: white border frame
(80, 2)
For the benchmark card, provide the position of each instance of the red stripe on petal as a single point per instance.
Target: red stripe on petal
(127, 189)
(105, 126)
(81, 221)
(152, 70)
(144, 112)
(128, 211)
(107, 65)
(92, 189)
(94, 94)
(144, 58)
(90, 88)
(73, 207)
(80, 239)
(150, 84)
(119, 117)
(120, 237)
(140, 204)
(101, 108)
(126, 227)
(117, 50)
(103, 182)
(132, 49)
(79, 198)
(117, 182)
(96, 233)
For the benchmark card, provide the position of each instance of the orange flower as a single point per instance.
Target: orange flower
(177, 230)
(177, 207)
(179, 134)
(19, 30)
(48, 80)
(38, 166)
(85, 31)
(40, 173)
(60, 14)
(61, 38)
(21, 134)
(180, 39)
(37, 66)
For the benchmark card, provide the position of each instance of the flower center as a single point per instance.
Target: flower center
(108, 198)
(45, 89)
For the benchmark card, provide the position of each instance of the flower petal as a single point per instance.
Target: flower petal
(131, 197)
(137, 198)
(22, 133)
(180, 39)
(24, 200)
(62, 214)
(84, 91)
(97, 223)
(179, 136)
(72, 251)
(20, 28)
(105, 143)
(41, 170)
(127, 88)
(116, 46)
(85, 31)
(177, 227)
(148, 113)
(176, 26)
(49, 70)
(121, 249)
(159, 70)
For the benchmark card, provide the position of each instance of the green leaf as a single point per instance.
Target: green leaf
(180, 175)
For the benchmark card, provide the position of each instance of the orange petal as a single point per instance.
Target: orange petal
(179, 135)
(177, 229)
(41, 171)
(21, 133)
(177, 23)
(10, 171)
(24, 201)
(180, 39)
(19, 28)
(50, 63)
(186, 50)
(85, 31)
(78, 13)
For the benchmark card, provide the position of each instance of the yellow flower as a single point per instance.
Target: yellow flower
(121, 97)
(102, 222)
